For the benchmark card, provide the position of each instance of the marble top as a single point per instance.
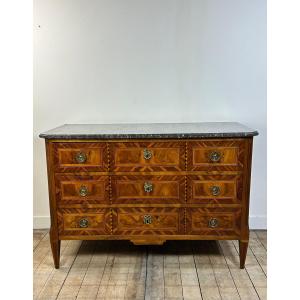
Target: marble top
(151, 131)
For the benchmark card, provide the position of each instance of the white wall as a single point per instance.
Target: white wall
(106, 61)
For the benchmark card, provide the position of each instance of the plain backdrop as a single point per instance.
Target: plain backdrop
(130, 61)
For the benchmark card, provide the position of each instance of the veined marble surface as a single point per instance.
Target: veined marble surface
(151, 131)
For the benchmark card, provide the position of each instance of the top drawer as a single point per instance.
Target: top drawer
(80, 157)
(147, 156)
(216, 155)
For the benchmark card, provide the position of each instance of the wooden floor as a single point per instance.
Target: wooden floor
(176, 270)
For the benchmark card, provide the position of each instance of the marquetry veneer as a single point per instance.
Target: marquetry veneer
(149, 190)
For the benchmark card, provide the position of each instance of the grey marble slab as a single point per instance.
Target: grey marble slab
(150, 131)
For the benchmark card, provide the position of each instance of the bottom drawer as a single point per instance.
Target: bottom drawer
(83, 222)
(214, 221)
(148, 221)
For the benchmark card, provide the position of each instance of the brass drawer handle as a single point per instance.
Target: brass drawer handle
(83, 191)
(148, 187)
(147, 219)
(215, 156)
(83, 223)
(213, 222)
(80, 157)
(215, 190)
(147, 154)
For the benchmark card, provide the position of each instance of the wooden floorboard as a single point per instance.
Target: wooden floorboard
(188, 270)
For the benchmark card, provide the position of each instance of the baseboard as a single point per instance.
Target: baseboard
(258, 222)
(41, 222)
(255, 222)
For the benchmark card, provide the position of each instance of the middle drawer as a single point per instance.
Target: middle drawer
(148, 189)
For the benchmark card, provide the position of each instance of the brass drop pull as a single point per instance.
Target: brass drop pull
(148, 187)
(83, 191)
(83, 223)
(147, 219)
(147, 154)
(213, 222)
(215, 190)
(215, 156)
(80, 157)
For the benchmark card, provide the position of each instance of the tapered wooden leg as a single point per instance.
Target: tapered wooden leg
(55, 247)
(243, 246)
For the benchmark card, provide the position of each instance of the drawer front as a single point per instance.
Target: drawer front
(220, 155)
(214, 221)
(147, 156)
(78, 157)
(148, 189)
(148, 221)
(80, 222)
(214, 189)
(81, 189)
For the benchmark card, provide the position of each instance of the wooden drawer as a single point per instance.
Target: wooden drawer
(222, 155)
(214, 221)
(214, 189)
(78, 222)
(78, 157)
(82, 189)
(148, 156)
(148, 221)
(148, 189)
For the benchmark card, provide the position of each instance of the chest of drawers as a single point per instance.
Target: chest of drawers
(149, 183)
